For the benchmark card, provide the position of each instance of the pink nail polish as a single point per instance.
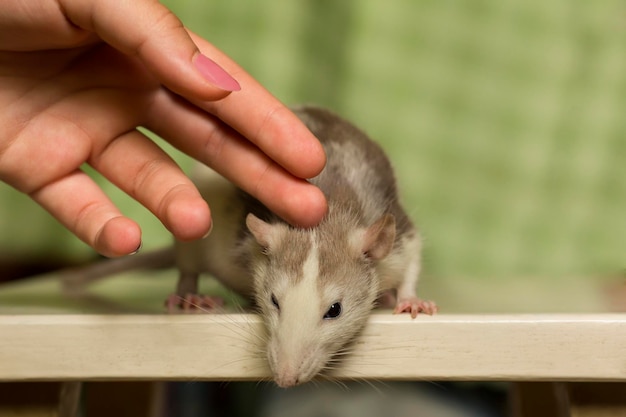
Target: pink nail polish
(215, 74)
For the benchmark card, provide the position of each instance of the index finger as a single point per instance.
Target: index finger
(150, 31)
(262, 119)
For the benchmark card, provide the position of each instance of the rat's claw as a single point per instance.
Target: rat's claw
(173, 303)
(429, 307)
(415, 305)
(193, 303)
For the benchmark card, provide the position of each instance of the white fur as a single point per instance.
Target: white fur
(401, 269)
(293, 352)
(351, 160)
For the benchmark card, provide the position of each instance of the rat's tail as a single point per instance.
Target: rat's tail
(75, 280)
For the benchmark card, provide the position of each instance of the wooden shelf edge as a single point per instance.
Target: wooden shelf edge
(568, 347)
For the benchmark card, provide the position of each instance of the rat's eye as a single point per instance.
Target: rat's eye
(334, 311)
(275, 302)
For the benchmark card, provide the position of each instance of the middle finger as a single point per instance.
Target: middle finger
(210, 141)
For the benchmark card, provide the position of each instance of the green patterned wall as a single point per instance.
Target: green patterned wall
(505, 120)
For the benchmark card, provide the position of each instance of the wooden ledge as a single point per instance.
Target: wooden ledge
(227, 347)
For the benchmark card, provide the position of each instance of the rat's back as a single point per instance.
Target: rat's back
(357, 172)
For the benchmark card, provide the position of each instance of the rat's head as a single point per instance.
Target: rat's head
(315, 288)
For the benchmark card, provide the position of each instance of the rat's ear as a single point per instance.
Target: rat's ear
(267, 235)
(378, 239)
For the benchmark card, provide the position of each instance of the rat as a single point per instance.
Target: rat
(314, 287)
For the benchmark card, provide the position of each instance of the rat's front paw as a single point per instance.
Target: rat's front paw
(415, 305)
(193, 303)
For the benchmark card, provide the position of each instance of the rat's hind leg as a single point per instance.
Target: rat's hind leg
(188, 300)
(187, 283)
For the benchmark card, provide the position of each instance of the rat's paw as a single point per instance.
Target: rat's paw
(193, 303)
(415, 305)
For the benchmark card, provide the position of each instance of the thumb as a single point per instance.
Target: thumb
(149, 30)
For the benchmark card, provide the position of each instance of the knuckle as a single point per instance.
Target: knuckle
(214, 144)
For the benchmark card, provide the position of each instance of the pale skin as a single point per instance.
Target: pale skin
(77, 77)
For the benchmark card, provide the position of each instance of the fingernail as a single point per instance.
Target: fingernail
(209, 232)
(137, 250)
(215, 74)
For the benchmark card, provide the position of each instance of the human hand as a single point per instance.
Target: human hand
(77, 77)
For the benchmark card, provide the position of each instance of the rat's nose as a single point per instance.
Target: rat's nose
(286, 380)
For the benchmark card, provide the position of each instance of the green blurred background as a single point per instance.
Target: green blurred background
(505, 121)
